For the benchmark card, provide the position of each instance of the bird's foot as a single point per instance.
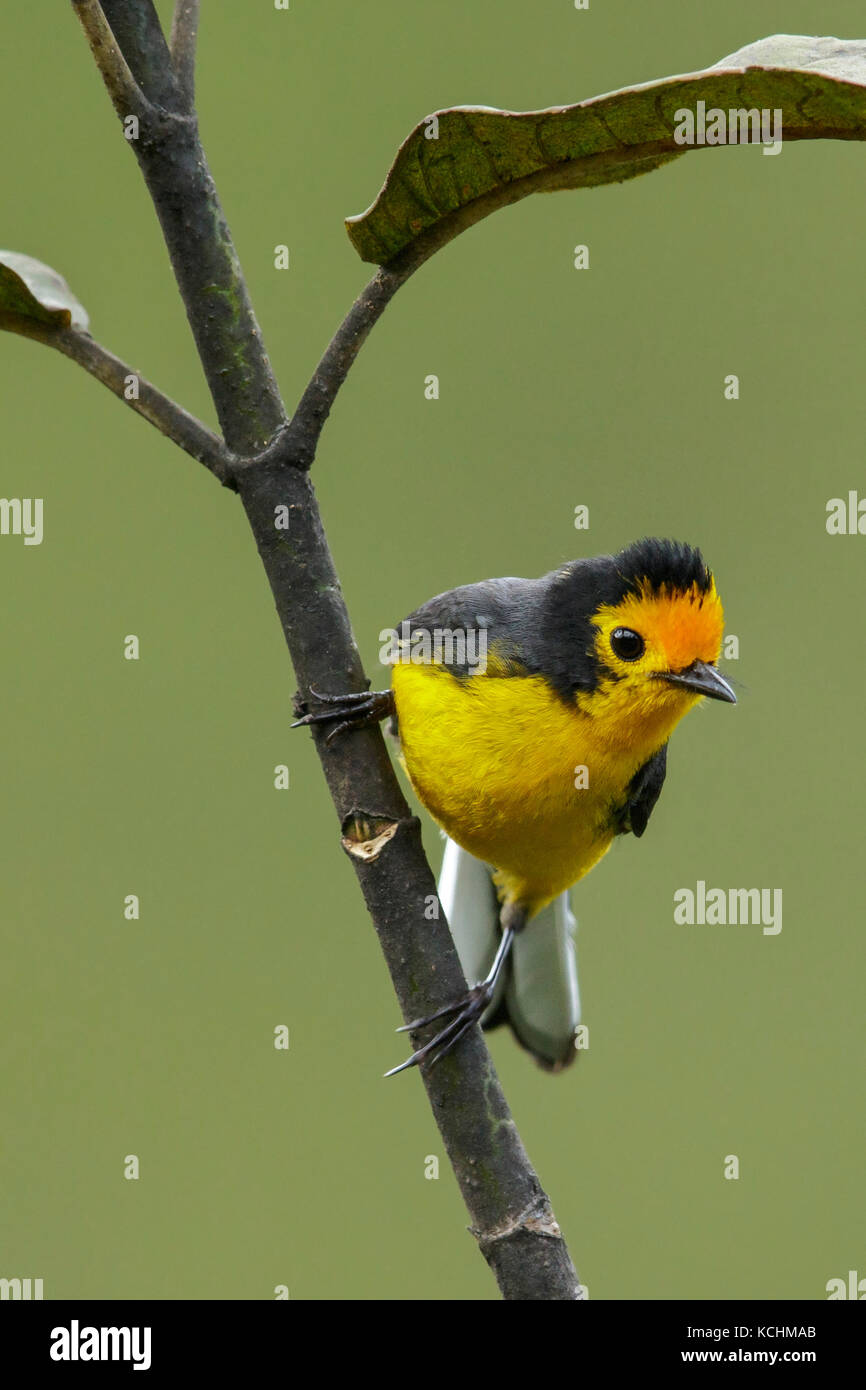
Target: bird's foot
(461, 1015)
(353, 711)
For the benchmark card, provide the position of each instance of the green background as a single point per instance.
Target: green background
(558, 387)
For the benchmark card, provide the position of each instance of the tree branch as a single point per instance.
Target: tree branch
(184, 33)
(199, 243)
(511, 1215)
(136, 27)
(168, 417)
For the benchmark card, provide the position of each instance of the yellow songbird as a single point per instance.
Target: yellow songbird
(533, 718)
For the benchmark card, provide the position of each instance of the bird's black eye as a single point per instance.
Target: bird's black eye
(626, 644)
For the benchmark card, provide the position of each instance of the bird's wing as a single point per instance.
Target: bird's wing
(643, 793)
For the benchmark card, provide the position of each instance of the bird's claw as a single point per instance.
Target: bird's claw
(353, 711)
(463, 1013)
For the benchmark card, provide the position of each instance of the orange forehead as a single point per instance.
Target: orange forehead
(682, 627)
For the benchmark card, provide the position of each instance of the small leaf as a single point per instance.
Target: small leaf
(483, 159)
(33, 292)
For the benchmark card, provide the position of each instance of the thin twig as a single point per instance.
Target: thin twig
(184, 32)
(136, 392)
(307, 423)
(125, 93)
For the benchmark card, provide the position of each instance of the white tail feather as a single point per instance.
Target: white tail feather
(540, 985)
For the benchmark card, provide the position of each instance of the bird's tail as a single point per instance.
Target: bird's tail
(537, 993)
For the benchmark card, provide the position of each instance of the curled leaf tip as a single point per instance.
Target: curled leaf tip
(33, 292)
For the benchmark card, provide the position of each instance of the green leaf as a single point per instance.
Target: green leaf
(485, 159)
(31, 292)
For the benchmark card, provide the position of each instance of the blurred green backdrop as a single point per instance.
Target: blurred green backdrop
(558, 387)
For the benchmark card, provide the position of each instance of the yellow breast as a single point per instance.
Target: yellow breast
(514, 775)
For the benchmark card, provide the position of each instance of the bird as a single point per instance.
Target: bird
(533, 718)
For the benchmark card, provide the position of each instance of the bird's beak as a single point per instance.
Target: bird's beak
(703, 679)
